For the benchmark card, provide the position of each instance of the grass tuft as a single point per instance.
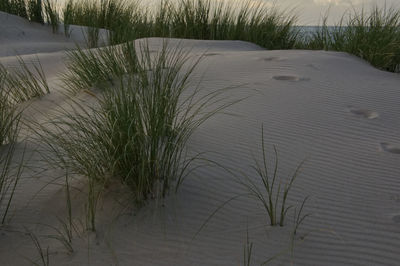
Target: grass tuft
(9, 120)
(35, 11)
(24, 83)
(98, 68)
(272, 195)
(136, 130)
(373, 36)
(8, 179)
(51, 14)
(15, 7)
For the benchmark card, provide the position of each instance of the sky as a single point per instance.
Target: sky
(310, 11)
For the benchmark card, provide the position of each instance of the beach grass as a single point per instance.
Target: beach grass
(51, 14)
(10, 117)
(98, 68)
(247, 250)
(35, 10)
(200, 19)
(371, 35)
(9, 178)
(272, 194)
(44, 256)
(15, 7)
(138, 127)
(25, 81)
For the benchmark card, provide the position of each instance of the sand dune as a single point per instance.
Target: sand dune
(19, 37)
(332, 109)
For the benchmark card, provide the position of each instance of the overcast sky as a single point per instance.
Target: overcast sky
(310, 11)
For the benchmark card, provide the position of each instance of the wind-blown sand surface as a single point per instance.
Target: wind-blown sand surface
(333, 109)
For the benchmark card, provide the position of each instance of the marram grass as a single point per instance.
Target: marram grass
(24, 82)
(100, 67)
(9, 120)
(200, 19)
(136, 130)
(373, 36)
(272, 194)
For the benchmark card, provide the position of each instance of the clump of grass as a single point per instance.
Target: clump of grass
(9, 116)
(35, 11)
(373, 36)
(272, 195)
(15, 7)
(52, 16)
(199, 19)
(67, 17)
(8, 179)
(9, 121)
(24, 83)
(137, 130)
(88, 68)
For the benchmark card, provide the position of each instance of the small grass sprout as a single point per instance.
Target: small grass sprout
(272, 195)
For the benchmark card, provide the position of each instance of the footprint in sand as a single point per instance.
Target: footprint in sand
(364, 112)
(390, 148)
(271, 58)
(289, 78)
(396, 219)
(313, 66)
(369, 114)
(211, 54)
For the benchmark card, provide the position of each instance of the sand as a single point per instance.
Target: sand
(332, 109)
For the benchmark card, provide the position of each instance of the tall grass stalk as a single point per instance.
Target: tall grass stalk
(35, 10)
(61, 235)
(8, 179)
(24, 83)
(9, 120)
(44, 257)
(247, 250)
(299, 217)
(99, 68)
(9, 115)
(51, 14)
(67, 13)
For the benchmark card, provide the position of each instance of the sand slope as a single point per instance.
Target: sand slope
(19, 36)
(333, 109)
